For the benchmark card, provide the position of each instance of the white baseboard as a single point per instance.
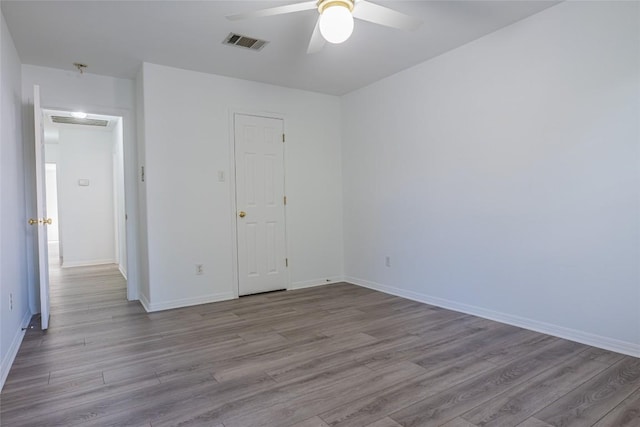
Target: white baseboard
(185, 302)
(607, 343)
(316, 282)
(67, 264)
(144, 301)
(223, 296)
(13, 349)
(122, 271)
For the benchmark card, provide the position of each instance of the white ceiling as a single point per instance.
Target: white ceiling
(115, 37)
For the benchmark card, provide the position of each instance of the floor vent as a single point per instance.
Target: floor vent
(239, 40)
(74, 121)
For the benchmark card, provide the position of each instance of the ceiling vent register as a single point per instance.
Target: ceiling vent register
(239, 40)
(74, 121)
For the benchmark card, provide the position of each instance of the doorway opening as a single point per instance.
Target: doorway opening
(85, 195)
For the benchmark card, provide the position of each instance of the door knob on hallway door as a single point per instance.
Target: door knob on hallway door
(40, 221)
(242, 214)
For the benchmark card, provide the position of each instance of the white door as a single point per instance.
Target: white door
(259, 154)
(41, 221)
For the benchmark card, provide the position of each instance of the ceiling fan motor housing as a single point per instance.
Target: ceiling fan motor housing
(325, 4)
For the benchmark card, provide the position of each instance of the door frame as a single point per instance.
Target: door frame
(233, 188)
(57, 220)
(130, 154)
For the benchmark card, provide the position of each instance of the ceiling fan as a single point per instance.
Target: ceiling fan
(335, 23)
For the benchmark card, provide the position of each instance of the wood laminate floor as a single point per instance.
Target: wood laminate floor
(337, 355)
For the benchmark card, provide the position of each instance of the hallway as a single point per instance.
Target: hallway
(76, 293)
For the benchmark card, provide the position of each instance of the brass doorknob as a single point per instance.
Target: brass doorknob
(242, 214)
(40, 221)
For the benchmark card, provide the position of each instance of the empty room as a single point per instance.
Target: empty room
(323, 213)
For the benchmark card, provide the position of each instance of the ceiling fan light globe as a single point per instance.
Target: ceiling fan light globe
(336, 24)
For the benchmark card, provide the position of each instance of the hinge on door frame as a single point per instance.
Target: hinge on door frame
(285, 200)
(286, 262)
(283, 137)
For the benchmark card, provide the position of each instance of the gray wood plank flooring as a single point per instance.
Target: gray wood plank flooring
(336, 355)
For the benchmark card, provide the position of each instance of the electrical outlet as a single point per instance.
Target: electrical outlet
(387, 261)
(199, 269)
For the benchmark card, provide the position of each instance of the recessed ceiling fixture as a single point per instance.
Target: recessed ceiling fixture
(79, 115)
(335, 23)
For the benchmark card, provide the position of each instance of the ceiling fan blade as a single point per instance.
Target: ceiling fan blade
(280, 10)
(317, 41)
(377, 14)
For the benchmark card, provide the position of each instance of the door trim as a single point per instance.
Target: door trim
(232, 193)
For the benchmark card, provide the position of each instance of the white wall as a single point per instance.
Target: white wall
(70, 91)
(189, 217)
(502, 177)
(14, 297)
(87, 213)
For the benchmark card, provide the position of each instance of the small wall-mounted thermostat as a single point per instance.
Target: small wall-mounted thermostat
(83, 182)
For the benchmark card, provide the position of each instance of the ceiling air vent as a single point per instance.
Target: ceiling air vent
(244, 41)
(74, 121)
